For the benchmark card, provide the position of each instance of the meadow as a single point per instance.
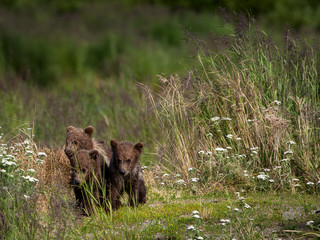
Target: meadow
(229, 117)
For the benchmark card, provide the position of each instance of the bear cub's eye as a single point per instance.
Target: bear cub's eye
(128, 160)
(83, 170)
(75, 142)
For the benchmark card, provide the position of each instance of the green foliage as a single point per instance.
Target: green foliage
(27, 57)
(105, 54)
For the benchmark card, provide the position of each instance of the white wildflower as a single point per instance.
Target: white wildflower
(209, 135)
(266, 170)
(3, 170)
(252, 120)
(178, 175)
(26, 197)
(229, 148)
(277, 102)
(42, 154)
(201, 152)
(196, 216)
(254, 149)
(225, 220)
(284, 160)
(219, 149)
(180, 181)
(226, 119)
(310, 183)
(162, 183)
(28, 152)
(142, 168)
(200, 238)
(10, 156)
(241, 198)
(262, 176)
(310, 223)
(246, 175)
(238, 138)
(271, 181)
(254, 152)
(190, 169)
(228, 207)
(209, 153)
(9, 163)
(31, 170)
(194, 179)
(297, 185)
(296, 180)
(291, 143)
(288, 152)
(30, 179)
(247, 205)
(191, 227)
(165, 175)
(214, 119)
(229, 136)
(195, 212)
(318, 182)
(26, 142)
(236, 209)
(277, 167)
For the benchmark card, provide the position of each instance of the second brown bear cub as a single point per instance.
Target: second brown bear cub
(87, 174)
(125, 174)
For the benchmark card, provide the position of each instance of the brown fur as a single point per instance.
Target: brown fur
(78, 138)
(125, 174)
(87, 173)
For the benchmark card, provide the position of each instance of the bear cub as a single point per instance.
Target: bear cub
(78, 138)
(125, 174)
(87, 174)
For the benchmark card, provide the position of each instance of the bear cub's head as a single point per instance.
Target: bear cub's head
(85, 166)
(125, 156)
(78, 138)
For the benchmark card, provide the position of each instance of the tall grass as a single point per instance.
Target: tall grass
(251, 106)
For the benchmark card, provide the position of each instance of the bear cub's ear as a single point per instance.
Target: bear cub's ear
(94, 154)
(70, 128)
(89, 130)
(114, 144)
(138, 146)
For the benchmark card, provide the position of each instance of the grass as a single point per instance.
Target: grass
(248, 109)
(49, 211)
(46, 207)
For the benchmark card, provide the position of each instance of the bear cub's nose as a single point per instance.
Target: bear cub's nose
(122, 172)
(76, 182)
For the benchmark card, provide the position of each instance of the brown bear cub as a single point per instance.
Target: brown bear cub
(78, 138)
(125, 174)
(87, 177)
